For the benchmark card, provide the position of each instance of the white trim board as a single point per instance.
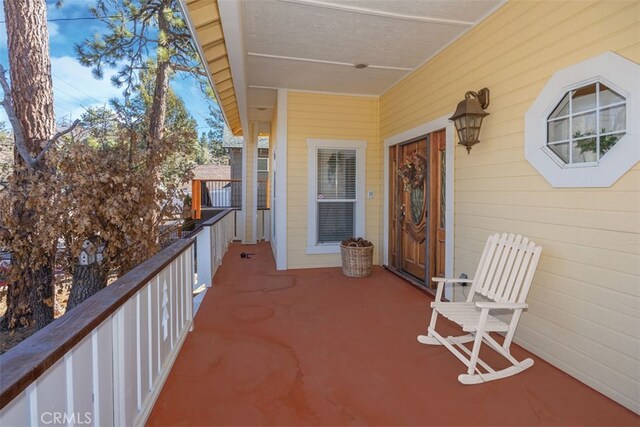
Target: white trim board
(376, 12)
(416, 132)
(192, 30)
(281, 181)
(319, 92)
(254, 210)
(233, 30)
(272, 202)
(243, 202)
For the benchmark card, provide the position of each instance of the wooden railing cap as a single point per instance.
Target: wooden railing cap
(24, 363)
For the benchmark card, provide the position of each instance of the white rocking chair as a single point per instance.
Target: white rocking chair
(502, 279)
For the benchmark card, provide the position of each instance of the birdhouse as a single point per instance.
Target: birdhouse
(87, 254)
(99, 253)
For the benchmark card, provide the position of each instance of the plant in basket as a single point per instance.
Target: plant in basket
(357, 257)
(357, 242)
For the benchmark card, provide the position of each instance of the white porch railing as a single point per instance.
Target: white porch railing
(105, 362)
(263, 224)
(212, 242)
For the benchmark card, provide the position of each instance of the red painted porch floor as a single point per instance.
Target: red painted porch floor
(312, 347)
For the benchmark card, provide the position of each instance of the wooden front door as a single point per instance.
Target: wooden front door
(417, 207)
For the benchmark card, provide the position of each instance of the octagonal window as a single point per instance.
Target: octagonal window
(586, 123)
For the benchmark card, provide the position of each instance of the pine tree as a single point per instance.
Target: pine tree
(29, 105)
(135, 28)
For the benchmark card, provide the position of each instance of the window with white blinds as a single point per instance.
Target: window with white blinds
(336, 194)
(336, 188)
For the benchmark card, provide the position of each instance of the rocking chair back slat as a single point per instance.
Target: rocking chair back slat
(503, 266)
(513, 275)
(506, 268)
(529, 266)
(495, 259)
(483, 267)
(507, 272)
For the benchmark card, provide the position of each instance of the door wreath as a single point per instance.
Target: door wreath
(413, 172)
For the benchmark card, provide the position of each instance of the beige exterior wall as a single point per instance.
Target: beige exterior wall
(584, 314)
(338, 117)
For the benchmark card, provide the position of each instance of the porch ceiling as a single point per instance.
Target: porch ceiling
(314, 45)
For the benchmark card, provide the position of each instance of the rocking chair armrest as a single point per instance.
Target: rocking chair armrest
(441, 282)
(501, 305)
(452, 280)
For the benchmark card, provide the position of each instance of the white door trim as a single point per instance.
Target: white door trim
(418, 131)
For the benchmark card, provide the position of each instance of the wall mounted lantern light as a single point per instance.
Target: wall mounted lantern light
(468, 117)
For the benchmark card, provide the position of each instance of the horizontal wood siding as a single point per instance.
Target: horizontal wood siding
(328, 117)
(585, 301)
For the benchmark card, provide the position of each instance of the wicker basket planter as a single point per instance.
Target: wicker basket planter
(357, 261)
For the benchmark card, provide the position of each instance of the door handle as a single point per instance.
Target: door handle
(403, 214)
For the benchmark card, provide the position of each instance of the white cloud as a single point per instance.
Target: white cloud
(75, 87)
(70, 8)
(54, 30)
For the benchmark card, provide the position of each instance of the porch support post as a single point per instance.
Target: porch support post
(203, 257)
(196, 203)
(280, 205)
(249, 184)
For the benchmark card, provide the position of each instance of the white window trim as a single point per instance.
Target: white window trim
(313, 247)
(621, 75)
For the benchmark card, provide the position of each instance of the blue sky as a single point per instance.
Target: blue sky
(74, 86)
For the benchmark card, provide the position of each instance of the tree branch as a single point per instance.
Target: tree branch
(192, 70)
(7, 103)
(54, 139)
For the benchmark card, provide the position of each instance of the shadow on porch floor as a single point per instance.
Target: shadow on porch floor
(312, 347)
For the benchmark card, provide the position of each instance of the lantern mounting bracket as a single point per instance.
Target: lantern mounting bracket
(482, 96)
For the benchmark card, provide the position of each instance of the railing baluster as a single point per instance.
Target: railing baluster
(118, 358)
(95, 373)
(171, 303)
(32, 392)
(189, 288)
(68, 370)
(150, 335)
(158, 322)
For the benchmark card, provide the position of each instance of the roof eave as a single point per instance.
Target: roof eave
(225, 69)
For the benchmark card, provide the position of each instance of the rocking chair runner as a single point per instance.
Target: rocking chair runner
(502, 281)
